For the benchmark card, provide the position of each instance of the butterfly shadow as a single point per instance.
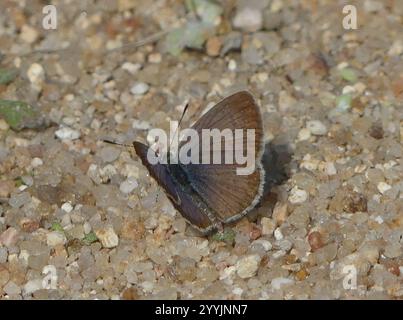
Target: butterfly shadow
(276, 163)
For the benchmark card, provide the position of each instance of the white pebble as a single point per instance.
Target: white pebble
(248, 19)
(316, 127)
(66, 133)
(67, 207)
(232, 65)
(132, 68)
(108, 237)
(247, 266)
(378, 219)
(36, 162)
(278, 235)
(35, 73)
(297, 195)
(348, 89)
(139, 88)
(383, 187)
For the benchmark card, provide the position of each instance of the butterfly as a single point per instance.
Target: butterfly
(210, 195)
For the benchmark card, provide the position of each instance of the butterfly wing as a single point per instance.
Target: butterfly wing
(191, 210)
(230, 195)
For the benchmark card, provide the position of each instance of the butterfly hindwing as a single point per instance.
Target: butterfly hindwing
(192, 210)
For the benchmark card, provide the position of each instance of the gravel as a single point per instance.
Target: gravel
(85, 219)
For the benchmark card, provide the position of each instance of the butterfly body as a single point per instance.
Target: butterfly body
(209, 195)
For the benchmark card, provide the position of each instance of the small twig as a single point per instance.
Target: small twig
(150, 39)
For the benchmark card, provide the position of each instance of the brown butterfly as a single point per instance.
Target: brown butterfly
(210, 195)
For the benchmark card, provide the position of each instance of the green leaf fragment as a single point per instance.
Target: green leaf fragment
(18, 114)
(207, 10)
(7, 75)
(343, 102)
(227, 235)
(56, 226)
(193, 35)
(18, 182)
(349, 74)
(90, 238)
(174, 41)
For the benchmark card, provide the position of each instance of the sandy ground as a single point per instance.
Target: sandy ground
(80, 219)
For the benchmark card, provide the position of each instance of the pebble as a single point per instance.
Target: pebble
(285, 245)
(67, 207)
(277, 283)
(55, 238)
(141, 124)
(108, 237)
(232, 65)
(373, 5)
(280, 212)
(315, 240)
(383, 187)
(330, 168)
(12, 289)
(268, 226)
(66, 133)
(4, 125)
(28, 34)
(139, 88)
(267, 246)
(304, 134)
(109, 154)
(9, 237)
(154, 57)
(213, 46)
(232, 42)
(278, 235)
(36, 162)
(316, 127)
(132, 68)
(396, 49)
(6, 187)
(17, 200)
(3, 255)
(4, 276)
(32, 286)
(247, 266)
(271, 20)
(297, 195)
(393, 250)
(36, 73)
(128, 185)
(248, 19)
(285, 101)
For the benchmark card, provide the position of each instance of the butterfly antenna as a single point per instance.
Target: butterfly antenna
(117, 143)
(179, 123)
